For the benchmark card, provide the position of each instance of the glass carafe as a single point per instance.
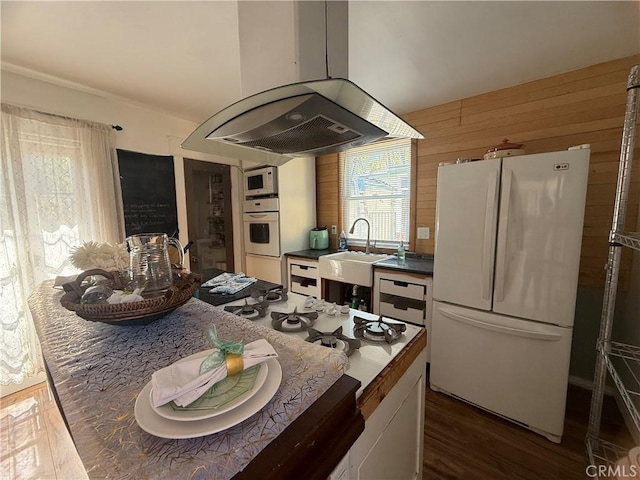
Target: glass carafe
(149, 264)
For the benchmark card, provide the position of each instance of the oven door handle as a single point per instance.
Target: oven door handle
(264, 217)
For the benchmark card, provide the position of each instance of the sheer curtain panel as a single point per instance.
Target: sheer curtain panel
(59, 187)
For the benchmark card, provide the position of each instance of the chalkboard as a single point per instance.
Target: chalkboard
(148, 193)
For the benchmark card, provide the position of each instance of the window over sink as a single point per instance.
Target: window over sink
(376, 183)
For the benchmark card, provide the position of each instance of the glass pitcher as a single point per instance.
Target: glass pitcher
(149, 263)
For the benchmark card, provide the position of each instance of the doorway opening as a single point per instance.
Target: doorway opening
(208, 194)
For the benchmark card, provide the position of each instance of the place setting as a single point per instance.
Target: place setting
(209, 391)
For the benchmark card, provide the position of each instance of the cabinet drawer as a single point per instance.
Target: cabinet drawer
(402, 289)
(401, 309)
(304, 271)
(305, 288)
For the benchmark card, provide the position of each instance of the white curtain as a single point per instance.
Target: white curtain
(59, 187)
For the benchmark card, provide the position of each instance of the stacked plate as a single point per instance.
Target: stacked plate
(226, 404)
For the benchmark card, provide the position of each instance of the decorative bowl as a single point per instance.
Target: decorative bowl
(185, 284)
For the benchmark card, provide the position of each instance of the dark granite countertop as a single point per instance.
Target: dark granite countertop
(260, 286)
(421, 263)
(311, 254)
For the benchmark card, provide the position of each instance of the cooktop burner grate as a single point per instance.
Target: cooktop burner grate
(275, 295)
(294, 321)
(333, 339)
(377, 330)
(250, 311)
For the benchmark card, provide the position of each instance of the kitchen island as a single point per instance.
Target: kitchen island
(306, 443)
(391, 396)
(383, 371)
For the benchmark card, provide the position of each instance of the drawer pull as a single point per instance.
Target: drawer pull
(400, 284)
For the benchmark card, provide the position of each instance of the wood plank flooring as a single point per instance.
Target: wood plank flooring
(465, 442)
(461, 441)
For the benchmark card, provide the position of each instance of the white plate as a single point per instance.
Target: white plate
(159, 426)
(189, 415)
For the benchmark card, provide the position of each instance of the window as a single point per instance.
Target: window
(59, 186)
(376, 185)
(52, 202)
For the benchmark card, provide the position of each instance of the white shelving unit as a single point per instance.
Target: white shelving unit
(621, 361)
(304, 276)
(404, 296)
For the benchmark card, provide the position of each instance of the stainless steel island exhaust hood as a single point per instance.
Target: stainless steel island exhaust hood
(303, 119)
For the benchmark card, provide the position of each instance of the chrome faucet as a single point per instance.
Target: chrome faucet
(368, 230)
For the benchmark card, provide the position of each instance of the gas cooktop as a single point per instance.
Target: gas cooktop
(365, 361)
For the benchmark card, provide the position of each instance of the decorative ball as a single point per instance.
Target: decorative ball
(96, 294)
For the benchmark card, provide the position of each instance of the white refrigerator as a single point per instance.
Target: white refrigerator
(507, 253)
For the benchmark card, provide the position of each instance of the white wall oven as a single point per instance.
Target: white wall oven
(262, 227)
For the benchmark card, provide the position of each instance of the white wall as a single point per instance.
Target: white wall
(144, 130)
(297, 192)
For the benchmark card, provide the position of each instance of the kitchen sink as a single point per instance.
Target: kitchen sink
(350, 267)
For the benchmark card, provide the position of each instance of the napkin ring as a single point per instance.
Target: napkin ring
(235, 364)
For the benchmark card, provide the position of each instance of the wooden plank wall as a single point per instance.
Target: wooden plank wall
(327, 194)
(583, 106)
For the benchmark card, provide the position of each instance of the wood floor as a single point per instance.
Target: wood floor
(465, 442)
(461, 441)
(34, 443)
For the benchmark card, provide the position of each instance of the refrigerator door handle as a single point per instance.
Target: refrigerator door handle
(501, 248)
(500, 328)
(488, 240)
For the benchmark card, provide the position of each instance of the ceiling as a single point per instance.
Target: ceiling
(183, 57)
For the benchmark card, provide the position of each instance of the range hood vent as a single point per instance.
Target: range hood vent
(304, 119)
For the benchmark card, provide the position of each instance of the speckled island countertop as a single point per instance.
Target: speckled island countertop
(420, 263)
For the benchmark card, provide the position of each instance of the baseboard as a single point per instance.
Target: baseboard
(588, 384)
(28, 382)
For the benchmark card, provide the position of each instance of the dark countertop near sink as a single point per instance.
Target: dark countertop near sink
(420, 263)
(311, 254)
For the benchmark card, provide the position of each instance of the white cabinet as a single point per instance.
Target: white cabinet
(296, 216)
(264, 268)
(304, 276)
(403, 296)
(392, 444)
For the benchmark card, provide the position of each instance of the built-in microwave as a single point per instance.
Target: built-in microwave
(260, 182)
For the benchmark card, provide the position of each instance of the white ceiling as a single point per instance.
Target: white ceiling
(183, 57)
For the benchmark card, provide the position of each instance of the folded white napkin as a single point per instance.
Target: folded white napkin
(234, 286)
(222, 278)
(182, 382)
